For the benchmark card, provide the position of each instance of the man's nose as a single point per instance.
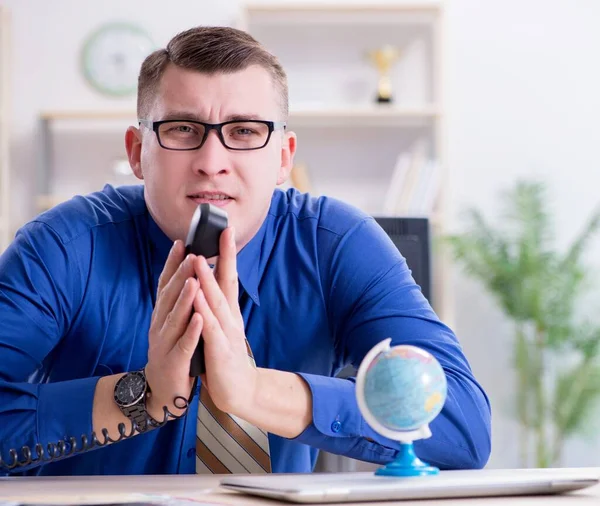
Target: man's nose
(213, 156)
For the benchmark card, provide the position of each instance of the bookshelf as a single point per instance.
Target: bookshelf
(5, 228)
(74, 131)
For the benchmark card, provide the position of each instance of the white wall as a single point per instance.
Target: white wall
(521, 96)
(523, 100)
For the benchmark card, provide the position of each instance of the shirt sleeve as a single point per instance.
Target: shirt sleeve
(371, 295)
(40, 291)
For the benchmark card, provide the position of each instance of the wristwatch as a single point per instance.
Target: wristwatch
(130, 395)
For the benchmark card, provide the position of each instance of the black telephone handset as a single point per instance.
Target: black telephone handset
(208, 222)
(203, 239)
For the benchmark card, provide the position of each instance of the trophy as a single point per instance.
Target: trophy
(384, 58)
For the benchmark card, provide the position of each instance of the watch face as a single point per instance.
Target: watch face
(112, 57)
(130, 389)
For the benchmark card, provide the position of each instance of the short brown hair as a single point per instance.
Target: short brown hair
(208, 49)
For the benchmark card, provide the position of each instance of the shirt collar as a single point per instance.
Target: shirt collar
(248, 259)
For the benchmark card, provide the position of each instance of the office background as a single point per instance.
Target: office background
(520, 95)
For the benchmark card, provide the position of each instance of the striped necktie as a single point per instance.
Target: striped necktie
(227, 444)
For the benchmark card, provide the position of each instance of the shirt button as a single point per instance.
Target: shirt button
(336, 426)
(191, 452)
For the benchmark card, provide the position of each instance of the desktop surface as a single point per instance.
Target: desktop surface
(206, 490)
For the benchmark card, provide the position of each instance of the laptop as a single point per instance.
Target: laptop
(366, 486)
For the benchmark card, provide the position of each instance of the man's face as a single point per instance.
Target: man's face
(176, 182)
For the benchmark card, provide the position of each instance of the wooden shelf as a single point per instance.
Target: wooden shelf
(88, 115)
(338, 8)
(336, 14)
(358, 116)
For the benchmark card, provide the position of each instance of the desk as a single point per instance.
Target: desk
(205, 489)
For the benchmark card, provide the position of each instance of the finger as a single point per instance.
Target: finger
(187, 343)
(212, 332)
(213, 294)
(170, 292)
(178, 319)
(173, 261)
(226, 272)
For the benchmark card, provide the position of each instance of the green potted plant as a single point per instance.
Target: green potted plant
(555, 350)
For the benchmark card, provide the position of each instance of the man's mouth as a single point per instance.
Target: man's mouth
(210, 196)
(218, 199)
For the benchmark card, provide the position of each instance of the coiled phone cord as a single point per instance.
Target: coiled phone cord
(63, 449)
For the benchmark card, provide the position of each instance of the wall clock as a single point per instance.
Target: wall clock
(112, 56)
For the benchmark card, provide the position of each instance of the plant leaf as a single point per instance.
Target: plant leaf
(576, 394)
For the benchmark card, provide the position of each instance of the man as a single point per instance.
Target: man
(96, 297)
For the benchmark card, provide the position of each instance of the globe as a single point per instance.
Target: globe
(400, 390)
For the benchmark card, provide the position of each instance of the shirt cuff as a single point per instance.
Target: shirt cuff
(335, 410)
(65, 410)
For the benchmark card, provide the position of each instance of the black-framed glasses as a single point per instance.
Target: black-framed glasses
(187, 135)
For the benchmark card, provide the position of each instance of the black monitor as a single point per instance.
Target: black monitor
(411, 237)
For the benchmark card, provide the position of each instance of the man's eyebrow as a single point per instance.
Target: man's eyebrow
(242, 117)
(182, 115)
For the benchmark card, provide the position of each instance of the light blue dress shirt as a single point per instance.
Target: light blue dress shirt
(322, 284)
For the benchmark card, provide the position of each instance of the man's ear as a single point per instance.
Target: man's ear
(133, 145)
(288, 149)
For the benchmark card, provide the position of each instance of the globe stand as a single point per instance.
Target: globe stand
(407, 464)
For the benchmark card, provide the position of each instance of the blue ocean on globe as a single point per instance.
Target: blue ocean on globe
(405, 388)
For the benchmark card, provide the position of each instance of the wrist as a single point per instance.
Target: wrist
(176, 407)
(155, 408)
(170, 390)
(252, 398)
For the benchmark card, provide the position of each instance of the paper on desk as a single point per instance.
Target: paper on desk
(119, 500)
(169, 500)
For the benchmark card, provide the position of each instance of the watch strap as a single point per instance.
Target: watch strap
(138, 414)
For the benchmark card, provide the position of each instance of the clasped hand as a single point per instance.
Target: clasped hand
(192, 300)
